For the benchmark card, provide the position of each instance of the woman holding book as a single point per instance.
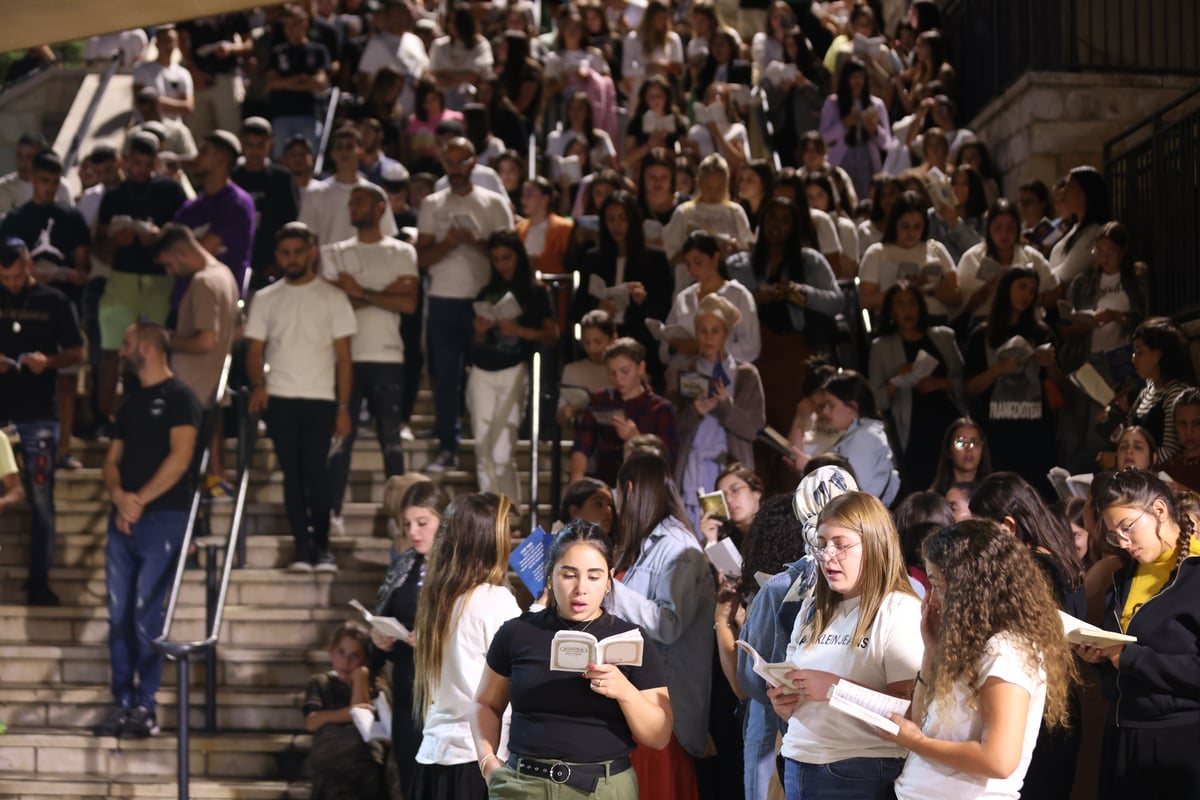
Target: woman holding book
(462, 606)
(856, 127)
(504, 347)
(742, 491)
(656, 122)
(711, 211)
(719, 404)
(916, 374)
(1085, 199)
(573, 727)
(996, 666)
(861, 626)
(665, 586)
(981, 266)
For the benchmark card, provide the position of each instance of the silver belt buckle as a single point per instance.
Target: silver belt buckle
(560, 772)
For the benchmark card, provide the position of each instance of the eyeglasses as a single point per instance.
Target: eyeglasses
(830, 552)
(967, 443)
(1119, 536)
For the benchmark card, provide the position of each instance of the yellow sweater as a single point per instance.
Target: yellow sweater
(1149, 580)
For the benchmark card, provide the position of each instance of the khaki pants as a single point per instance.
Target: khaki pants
(218, 106)
(506, 784)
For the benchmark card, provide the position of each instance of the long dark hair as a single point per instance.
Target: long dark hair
(907, 203)
(522, 280)
(943, 479)
(1095, 192)
(999, 322)
(851, 387)
(806, 61)
(1118, 234)
(887, 323)
(648, 497)
(976, 205)
(802, 235)
(656, 157)
(666, 86)
(1001, 208)
(704, 242)
(635, 238)
(516, 44)
(1159, 333)
(465, 29)
(1007, 494)
(576, 531)
(576, 494)
(845, 100)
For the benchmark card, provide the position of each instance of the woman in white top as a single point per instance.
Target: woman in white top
(462, 605)
(860, 626)
(710, 210)
(580, 126)
(906, 251)
(461, 59)
(996, 664)
(702, 255)
(981, 266)
(822, 197)
(652, 49)
(720, 132)
(884, 191)
(767, 46)
(1086, 199)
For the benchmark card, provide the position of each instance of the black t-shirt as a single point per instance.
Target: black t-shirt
(144, 424)
(155, 200)
(52, 232)
(556, 715)
(290, 60)
(206, 32)
(276, 203)
(38, 320)
(502, 352)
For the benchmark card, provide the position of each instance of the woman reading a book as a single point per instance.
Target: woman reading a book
(665, 586)
(719, 403)
(574, 726)
(861, 626)
(462, 606)
(1149, 743)
(980, 268)
(996, 665)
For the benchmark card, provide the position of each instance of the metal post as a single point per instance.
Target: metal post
(184, 755)
(535, 430)
(211, 589)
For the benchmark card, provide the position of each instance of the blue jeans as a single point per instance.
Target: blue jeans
(286, 127)
(39, 443)
(383, 387)
(450, 334)
(849, 779)
(139, 569)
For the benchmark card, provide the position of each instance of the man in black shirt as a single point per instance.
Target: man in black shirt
(148, 475)
(39, 332)
(138, 289)
(298, 72)
(276, 198)
(212, 48)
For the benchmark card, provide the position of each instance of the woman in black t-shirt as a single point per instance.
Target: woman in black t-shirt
(572, 727)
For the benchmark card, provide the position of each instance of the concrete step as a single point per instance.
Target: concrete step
(33, 706)
(86, 665)
(31, 786)
(59, 752)
(79, 586)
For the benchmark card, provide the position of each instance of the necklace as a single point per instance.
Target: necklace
(12, 311)
(589, 622)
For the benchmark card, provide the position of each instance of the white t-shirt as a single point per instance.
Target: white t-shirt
(968, 272)
(884, 263)
(374, 266)
(566, 63)
(483, 177)
(405, 52)
(1110, 335)
(1067, 264)
(171, 80)
(465, 269)
(745, 340)
(932, 780)
(557, 141)
(735, 134)
(848, 237)
(447, 733)
(868, 234)
(299, 325)
(634, 61)
(890, 653)
(446, 54)
(325, 209)
(828, 240)
(89, 206)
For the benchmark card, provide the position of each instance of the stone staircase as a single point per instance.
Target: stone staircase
(54, 661)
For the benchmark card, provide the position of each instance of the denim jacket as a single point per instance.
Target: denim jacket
(669, 591)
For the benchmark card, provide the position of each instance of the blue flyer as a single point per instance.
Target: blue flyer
(529, 560)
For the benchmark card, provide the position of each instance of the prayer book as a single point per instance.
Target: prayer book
(375, 724)
(1093, 384)
(388, 626)
(574, 651)
(506, 308)
(774, 674)
(528, 560)
(653, 122)
(923, 366)
(617, 295)
(666, 333)
(1080, 632)
(867, 705)
(775, 440)
(723, 554)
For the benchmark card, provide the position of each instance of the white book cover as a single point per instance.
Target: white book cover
(1080, 632)
(713, 112)
(867, 705)
(924, 365)
(941, 190)
(573, 651)
(653, 122)
(667, 333)
(617, 295)
(388, 626)
(566, 167)
(779, 73)
(775, 674)
(506, 308)
(723, 554)
(1093, 384)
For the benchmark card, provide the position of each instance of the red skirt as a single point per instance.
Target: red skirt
(665, 774)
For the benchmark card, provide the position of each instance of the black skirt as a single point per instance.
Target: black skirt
(453, 782)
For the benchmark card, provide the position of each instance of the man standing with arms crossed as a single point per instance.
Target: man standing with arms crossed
(302, 327)
(148, 475)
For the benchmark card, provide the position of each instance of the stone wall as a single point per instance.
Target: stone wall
(37, 106)
(1048, 122)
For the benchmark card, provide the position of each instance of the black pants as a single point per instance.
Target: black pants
(301, 431)
(411, 326)
(382, 386)
(1150, 762)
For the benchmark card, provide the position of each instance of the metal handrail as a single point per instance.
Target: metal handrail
(90, 114)
(564, 283)
(335, 97)
(1152, 120)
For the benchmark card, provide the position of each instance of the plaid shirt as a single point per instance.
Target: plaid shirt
(651, 413)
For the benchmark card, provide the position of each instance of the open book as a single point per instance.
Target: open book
(1046, 232)
(775, 440)
(864, 46)
(1093, 384)
(578, 397)
(617, 295)
(775, 674)
(1068, 313)
(1067, 485)
(1018, 347)
(1080, 632)
(528, 560)
(923, 366)
(713, 503)
(375, 724)
(713, 112)
(653, 122)
(573, 651)
(121, 222)
(867, 705)
(779, 73)
(466, 222)
(565, 167)
(931, 271)
(723, 554)
(388, 626)
(667, 333)
(989, 268)
(506, 308)
(941, 190)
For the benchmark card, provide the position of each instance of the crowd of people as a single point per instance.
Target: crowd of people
(735, 206)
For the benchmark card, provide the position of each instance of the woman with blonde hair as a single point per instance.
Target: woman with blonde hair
(462, 605)
(653, 49)
(996, 665)
(710, 210)
(861, 626)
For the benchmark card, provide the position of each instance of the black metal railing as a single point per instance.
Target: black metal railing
(1153, 170)
(216, 591)
(994, 42)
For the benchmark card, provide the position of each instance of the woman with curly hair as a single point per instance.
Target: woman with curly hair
(1154, 721)
(996, 665)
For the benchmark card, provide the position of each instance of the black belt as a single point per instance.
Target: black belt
(581, 776)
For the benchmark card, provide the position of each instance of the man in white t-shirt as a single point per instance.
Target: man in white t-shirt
(452, 231)
(170, 78)
(16, 188)
(325, 205)
(379, 275)
(394, 45)
(302, 326)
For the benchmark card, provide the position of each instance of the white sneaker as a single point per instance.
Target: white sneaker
(300, 568)
(406, 433)
(337, 525)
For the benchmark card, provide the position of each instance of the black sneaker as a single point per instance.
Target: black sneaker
(445, 460)
(112, 723)
(141, 724)
(325, 562)
(41, 595)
